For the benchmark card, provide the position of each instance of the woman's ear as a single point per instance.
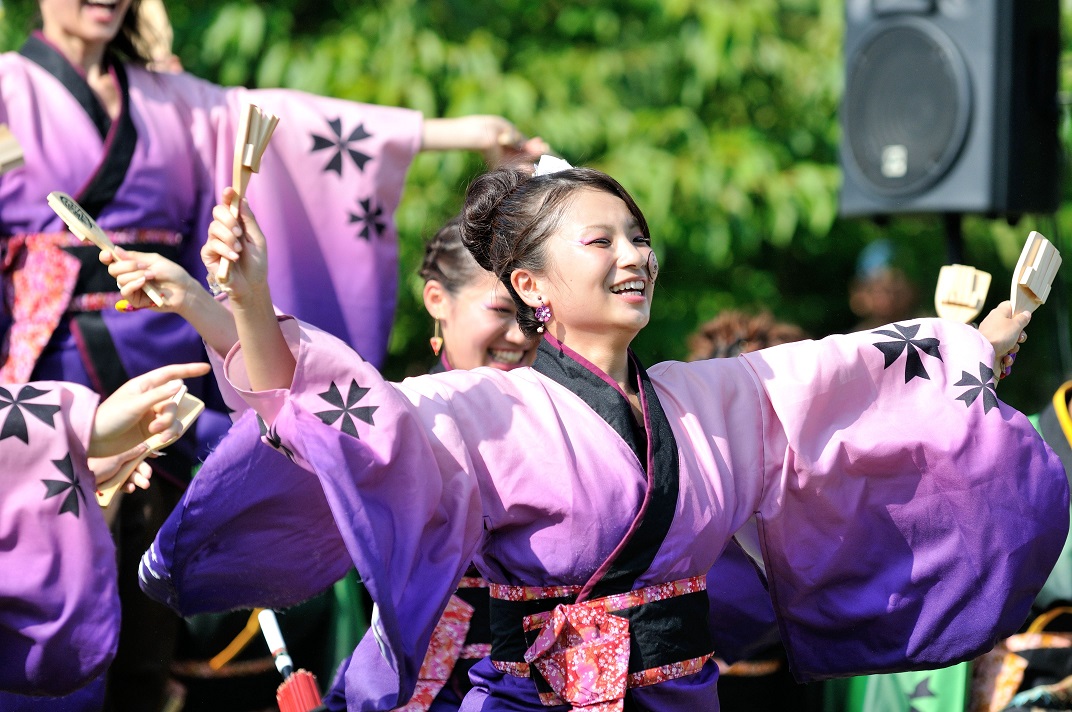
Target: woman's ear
(435, 298)
(527, 287)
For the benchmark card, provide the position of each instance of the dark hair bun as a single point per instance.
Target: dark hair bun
(482, 201)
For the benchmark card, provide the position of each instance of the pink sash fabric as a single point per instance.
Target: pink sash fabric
(444, 650)
(39, 279)
(583, 653)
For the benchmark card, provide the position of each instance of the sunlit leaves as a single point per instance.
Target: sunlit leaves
(720, 116)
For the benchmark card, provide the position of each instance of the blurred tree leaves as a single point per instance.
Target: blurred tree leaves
(720, 117)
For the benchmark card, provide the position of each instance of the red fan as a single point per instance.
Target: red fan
(299, 691)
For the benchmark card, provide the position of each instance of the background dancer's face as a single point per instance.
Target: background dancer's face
(479, 323)
(597, 280)
(93, 24)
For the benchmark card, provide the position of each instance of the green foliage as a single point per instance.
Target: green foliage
(720, 117)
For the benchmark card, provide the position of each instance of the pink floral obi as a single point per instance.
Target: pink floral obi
(587, 654)
(451, 642)
(46, 275)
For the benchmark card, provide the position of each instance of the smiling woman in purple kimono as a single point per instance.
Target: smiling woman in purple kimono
(59, 607)
(906, 516)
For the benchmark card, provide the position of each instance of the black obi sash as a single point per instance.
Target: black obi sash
(662, 632)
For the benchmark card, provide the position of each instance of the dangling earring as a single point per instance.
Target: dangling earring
(543, 315)
(437, 340)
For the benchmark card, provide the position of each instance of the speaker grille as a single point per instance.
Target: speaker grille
(907, 107)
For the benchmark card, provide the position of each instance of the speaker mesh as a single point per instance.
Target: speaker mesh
(907, 105)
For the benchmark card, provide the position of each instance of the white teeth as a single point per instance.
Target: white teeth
(509, 357)
(637, 285)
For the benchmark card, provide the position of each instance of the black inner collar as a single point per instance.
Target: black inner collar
(42, 53)
(647, 537)
(120, 140)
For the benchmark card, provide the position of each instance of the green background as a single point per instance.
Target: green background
(720, 116)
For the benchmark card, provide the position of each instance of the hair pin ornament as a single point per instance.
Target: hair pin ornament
(550, 165)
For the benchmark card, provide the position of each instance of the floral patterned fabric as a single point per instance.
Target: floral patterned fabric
(39, 279)
(582, 649)
(444, 650)
(583, 653)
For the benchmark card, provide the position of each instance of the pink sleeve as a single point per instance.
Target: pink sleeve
(900, 498)
(326, 193)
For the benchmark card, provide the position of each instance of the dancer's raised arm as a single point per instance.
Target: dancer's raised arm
(269, 362)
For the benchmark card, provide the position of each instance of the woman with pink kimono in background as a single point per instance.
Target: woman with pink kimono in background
(59, 605)
(906, 517)
(145, 153)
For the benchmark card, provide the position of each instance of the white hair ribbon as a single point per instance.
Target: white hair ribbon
(549, 165)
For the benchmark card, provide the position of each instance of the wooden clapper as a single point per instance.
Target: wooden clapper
(189, 408)
(961, 292)
(1034, 273)
(255, 129)
(87, 230)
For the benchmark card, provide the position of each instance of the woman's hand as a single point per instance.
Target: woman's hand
(1005, 332)
(240, 241)
(141, 407)
(105, 468)
(513, 150)
(133, 269)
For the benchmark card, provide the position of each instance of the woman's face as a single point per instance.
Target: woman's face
(480, 327)
(598, 282)
(91, 23)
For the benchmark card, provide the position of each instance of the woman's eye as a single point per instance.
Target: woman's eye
(640, 239)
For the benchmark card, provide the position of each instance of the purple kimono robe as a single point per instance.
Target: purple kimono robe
(59, 607)
(329, 183)
(906, 516)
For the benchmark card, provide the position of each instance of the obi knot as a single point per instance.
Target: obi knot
(582, 652)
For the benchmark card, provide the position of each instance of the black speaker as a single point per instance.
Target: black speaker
(950, 106)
